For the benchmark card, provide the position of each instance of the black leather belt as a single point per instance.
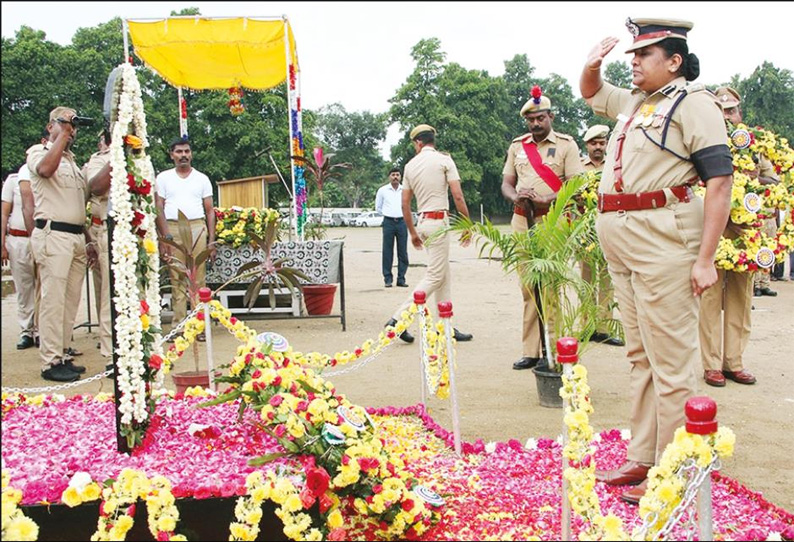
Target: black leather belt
(59, 226)
(393, 217)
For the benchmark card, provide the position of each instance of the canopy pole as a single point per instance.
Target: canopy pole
(294, 142)
(182, 113)
(125, 30)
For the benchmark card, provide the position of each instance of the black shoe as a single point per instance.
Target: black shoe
(756, 292)
(407, 337)
(543, 365)
(462, 337)
(402, 284)
(598, 337)
(25, 342)
(767, 291)
(387, 285)
(69, 363)
(60, 373)
(525, 363)
(614, 341)
(72, 352)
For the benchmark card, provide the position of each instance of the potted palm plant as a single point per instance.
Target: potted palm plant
(319, 298)
(542, 258)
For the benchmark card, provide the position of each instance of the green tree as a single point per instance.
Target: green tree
(619, 74)
(768, 99)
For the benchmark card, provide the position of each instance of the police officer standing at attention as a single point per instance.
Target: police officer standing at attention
(388, 202)
(537, 164)
(658, 238)
(595, 139)
(61, 246)
(428, 174)
(723, 340)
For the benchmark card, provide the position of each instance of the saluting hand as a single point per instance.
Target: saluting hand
(601, 49)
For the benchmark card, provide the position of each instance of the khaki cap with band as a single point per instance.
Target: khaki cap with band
(727, 97)
(649, 31)
(420, 129)
(595, 131)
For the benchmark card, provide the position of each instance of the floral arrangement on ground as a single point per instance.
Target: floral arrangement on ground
(504, 490)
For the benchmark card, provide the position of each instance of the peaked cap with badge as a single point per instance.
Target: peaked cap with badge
(595, 131)
(727, 97)
(421, 129)
(649, 31)
(537, 103)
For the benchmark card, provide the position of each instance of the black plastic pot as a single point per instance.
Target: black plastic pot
(549, 383)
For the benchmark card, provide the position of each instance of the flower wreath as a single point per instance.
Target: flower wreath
(233, 226)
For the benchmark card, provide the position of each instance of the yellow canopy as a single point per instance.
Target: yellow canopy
(205, 53)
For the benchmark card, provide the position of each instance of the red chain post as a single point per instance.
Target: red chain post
(567, 356)
(445, 313)
(701, 419)
(420, 297)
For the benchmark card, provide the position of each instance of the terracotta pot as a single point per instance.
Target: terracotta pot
(319, 298)
(189, 379)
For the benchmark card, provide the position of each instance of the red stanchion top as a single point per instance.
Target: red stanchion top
(420, 297)
(701, 413)
(205, 295)
(445, 309)
(567, 350)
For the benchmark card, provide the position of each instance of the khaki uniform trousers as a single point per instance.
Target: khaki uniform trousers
(437, 280)
(101, 273)
(531, 336)
(723, 342)
(26, 284)
(761, 278)
(605, 293)
(61, 261)
(180, 288)
(650, 254)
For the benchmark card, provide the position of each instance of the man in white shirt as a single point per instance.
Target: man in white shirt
(388, 202)
(16, 250)
(187, 190)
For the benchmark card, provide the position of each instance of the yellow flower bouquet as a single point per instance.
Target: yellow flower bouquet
(234, 225)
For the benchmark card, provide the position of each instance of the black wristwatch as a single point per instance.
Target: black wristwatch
(169, 237)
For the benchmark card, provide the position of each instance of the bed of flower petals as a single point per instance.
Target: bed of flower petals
(504, 490)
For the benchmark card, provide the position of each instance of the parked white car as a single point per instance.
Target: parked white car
(369, 219)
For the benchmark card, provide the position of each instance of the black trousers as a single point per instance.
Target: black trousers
(394, 230)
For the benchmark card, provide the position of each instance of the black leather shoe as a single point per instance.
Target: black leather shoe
(614, 341)
(405, 336)
(72, 352)
(25, 342)
(60, 373)
(756, 292)
(462, 337)
(543, 365)
(69, 363)
(603, 338)
(768, 291)
(402, 285)
(525, 363)
(387, 285)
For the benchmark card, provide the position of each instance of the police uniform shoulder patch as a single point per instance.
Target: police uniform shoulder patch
(522, 137)
(695, 87)
(563, 136)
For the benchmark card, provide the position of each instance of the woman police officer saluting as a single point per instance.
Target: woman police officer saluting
(658, 238)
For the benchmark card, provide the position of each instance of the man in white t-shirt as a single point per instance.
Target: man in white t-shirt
(187, 190)
(16, 250)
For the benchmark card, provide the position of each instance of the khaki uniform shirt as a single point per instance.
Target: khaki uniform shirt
(99, 204)
(588, 165)
(697, 124)
(559, 152)
(63, 196)
(766, 168)
(427, 175)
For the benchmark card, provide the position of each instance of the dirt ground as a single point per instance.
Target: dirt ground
(496, 402)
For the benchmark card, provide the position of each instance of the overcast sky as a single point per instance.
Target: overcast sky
(358, 54)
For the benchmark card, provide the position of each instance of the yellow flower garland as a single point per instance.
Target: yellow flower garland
(234, 226)
(16, 525)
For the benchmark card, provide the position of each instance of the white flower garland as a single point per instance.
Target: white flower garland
(131, 365)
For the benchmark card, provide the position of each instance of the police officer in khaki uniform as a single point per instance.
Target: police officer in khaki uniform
(659, 239)
(537, 163)
(595, 140)
(428, 175)
(722, 343)
(59, 242)
(97, 170)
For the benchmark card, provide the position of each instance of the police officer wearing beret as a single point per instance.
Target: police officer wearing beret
(595, 140)
(537, 164)
(659, 239)
(428, 175)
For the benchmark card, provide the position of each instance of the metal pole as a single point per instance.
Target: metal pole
(292, 100)
(125, 31)
(705, 519)
(445, 313)
(182, 120)
(419, 298)
(205, 296)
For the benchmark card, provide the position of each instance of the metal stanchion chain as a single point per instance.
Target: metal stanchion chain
(66, 386)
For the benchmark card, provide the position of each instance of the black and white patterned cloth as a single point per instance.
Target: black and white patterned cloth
(319, 260)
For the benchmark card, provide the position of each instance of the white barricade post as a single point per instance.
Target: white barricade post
(445, 313)
(419, 299)
(205, 296)
(701, 414)
(567, 355)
